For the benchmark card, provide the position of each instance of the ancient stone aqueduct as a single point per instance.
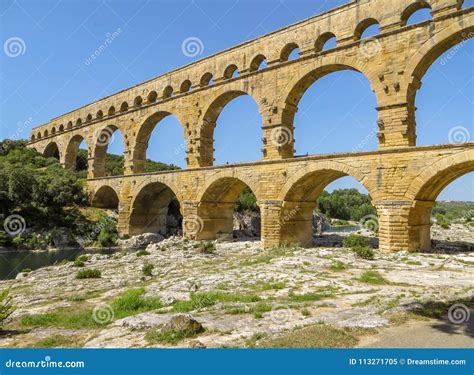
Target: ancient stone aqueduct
(403, 180)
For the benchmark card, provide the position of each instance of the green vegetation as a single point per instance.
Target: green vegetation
(455, 211)
(246, 201)
(305, 297)
(442, 221)
(274, 252)
(355, 240)
(207, 247)
(114, 165)
(90, 273)
(364, 252)
(80, 260)
(338, 266)
(171, 337)
(372, 277)
(6, 306)
(61, 318)
(142, 253)
(345, 204)
(148, 269)
(108, 234)
(206, 299)
(133, 302)
(56, 341)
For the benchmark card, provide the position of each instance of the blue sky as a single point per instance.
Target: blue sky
(51, 77)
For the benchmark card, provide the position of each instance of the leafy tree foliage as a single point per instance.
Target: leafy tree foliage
(345, 204)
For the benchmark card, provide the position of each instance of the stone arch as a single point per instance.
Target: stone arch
(53, 130)
(433, 48)
(299, 194)
(103, 138)
(149, 208)
(69, 125)
(78, 122)
(46, 133)
(424, 190)
(257, 62)
(210, 115)
(206, 79)
(72, 150)
(287, 50)
(138, 101)
(185, 86)
(152, 96)
(230, 71)
(301, 83)
(99, 115)
(61, 128)
(143, 136)
(322, 40)
(431, 181)
(412, 9)
(453, 36)
(38, 136)
(124, 107)
(167, 92)
(364, 25)
(106, 197)
(111, 111)
(216, 205)
(51, 151)
(88, 118)
(32, 138)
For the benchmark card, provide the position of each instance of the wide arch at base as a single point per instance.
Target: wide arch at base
(299, 195)
(424, 190)
(150, 209)
(105, 197)
(216, 205)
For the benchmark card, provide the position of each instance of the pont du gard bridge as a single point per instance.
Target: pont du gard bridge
(402, 179)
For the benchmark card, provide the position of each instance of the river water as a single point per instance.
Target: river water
(13, 262)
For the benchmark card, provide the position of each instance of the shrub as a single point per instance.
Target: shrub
(355, 240)
(108, 235)
(80, 260)
(90, 273)
(207, 247)
(442, 221)
(148, 269)
(345, 204)
(338, 266)
(364, 252)
(132, 301)
(6, 306)
(372, 277)
(142, 253)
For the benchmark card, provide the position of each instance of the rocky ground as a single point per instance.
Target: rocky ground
(233, 294)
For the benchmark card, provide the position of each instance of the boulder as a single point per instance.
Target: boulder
(320, 223)
(247, 224)
(141, 241)
(183, 322)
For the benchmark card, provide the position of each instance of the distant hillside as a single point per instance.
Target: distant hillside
(114, 165)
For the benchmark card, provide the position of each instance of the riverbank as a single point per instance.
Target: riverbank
(240, 296)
